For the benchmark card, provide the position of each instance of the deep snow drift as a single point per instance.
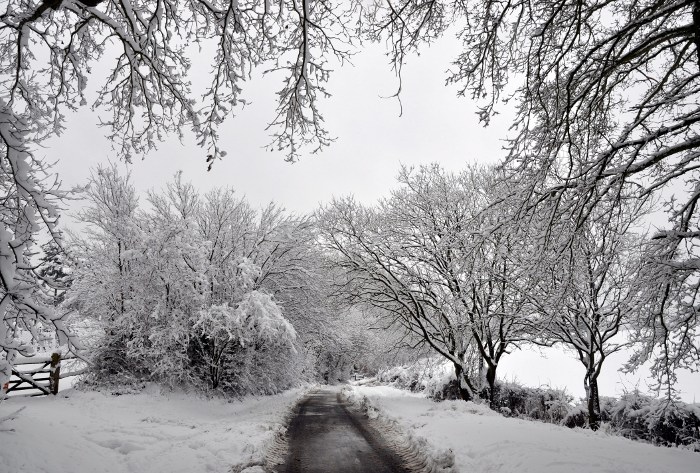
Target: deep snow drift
(150, 432)
(484, 441)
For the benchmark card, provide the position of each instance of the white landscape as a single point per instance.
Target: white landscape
(349, 236)
(156, 431)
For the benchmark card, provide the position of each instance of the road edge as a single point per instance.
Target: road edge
(415, 451)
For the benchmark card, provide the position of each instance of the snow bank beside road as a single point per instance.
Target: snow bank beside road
(417, 454)
(484, 441)
(150, 432)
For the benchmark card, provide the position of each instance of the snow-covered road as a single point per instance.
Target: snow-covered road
(325, 437)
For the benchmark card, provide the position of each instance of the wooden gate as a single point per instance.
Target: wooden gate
(38, 373)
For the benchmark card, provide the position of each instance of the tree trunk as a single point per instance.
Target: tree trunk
(214, 375)
(463, 384)
(591, 384)
(491, 380)
(214, 369)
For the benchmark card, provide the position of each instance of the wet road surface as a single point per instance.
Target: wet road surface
(326, 437)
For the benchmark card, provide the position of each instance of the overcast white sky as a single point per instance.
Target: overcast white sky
(372, 138)
(372, 142)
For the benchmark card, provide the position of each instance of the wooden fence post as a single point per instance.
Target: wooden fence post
(55, 373)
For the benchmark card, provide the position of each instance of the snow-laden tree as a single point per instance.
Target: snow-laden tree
(105, 280)
(607, 101)
(30, 204)
(666, 315)
(55, 271)
(112, 221)
(216, 291)
(437, 263)
(376, 277)
(588, 295)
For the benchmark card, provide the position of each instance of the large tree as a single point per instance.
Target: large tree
(434, 259)
(587, 294)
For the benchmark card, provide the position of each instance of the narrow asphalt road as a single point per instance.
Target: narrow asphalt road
(327, 437)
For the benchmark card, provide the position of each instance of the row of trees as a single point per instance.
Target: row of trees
(446, 259)
(204, 289)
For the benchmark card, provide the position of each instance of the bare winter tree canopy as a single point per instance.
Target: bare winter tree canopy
(50, 47)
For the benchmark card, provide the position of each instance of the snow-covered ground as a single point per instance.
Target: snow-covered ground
(90, 432)
(484, 441)
(86, 432)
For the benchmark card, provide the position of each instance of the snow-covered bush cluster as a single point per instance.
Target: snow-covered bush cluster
(432, 376)
(641, 417)
(198, 290)
(542, 403)
(634, 415)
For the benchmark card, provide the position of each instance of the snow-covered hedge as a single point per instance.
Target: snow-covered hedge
(634, 415)
(543, 403)
(641, 417)
(434, 377)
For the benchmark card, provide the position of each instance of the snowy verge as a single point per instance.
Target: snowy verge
(483, 440)
(418, 454)
(148, 432)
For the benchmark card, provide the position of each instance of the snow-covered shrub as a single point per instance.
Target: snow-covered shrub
(641, 417)
(658, 421)
(225, 336)
(448, 391)
(577, 416)
(262, 371)
(546, 404)
(435, 377)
